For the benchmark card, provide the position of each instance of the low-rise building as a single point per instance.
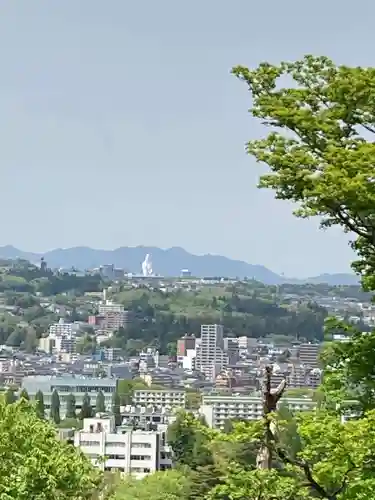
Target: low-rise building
(68, 384)
(135, 452)
(219, 408)
(173, 398)
(110, 307)
(147, 417)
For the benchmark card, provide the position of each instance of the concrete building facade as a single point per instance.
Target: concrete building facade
(134, 452)
(218, 408)
(173, 398)
(211, 357)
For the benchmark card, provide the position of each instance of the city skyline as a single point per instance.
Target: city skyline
(127, 120)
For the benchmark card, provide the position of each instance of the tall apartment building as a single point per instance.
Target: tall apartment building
(129, 451)
(308, 355)
(217, 409)
(67, 384)
(211, 358)
(60, 339)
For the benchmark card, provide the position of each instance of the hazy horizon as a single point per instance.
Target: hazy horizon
(122, 126)
(148, 247)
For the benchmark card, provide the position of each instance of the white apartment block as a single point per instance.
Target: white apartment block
(61, 328)
(110, 307)
(217, 409)
(58, 344)
(173, 398)
(211, 358)
(132, 452)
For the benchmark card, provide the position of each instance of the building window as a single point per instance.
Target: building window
(165, 467)
(140, 470)
(140, 457)
(89, 443)
(141, 445)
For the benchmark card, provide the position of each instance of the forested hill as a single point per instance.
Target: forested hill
(31, 299)
(161, 318)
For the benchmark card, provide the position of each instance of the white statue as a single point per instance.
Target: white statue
(147, 266)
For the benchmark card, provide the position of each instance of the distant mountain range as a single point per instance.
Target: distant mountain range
(167, 262)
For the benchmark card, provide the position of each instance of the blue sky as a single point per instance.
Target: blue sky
(121, 124)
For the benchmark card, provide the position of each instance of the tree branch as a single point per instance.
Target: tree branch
(302, 464)
(345, 219)
(344, 481)
(306, 470)
(368, 128)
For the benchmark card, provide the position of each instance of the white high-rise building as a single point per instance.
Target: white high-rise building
(211, 358)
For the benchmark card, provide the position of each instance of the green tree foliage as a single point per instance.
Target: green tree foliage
(16, 337)
(116, 408)
(24, 395)
(35, 464)
(70, 423)
(193, 399)
(191, 444)
(100, 403)
(55, 407)
(39, 404)
(333, 460)
(168, 485)
(316, 455)
(31, 341)
(125, 390)
(321, 149)
(228, 426)
(9, 396)
(349, 367)
(182, 437)
(161, 320)
(70, 406)
(86, 409)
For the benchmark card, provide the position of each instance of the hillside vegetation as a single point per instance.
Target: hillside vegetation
(32, 298)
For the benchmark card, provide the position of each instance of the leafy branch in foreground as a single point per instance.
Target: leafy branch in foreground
(321, 149)
(35, 464)
(333, 461)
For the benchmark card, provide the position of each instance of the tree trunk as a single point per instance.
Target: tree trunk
(270, 400)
